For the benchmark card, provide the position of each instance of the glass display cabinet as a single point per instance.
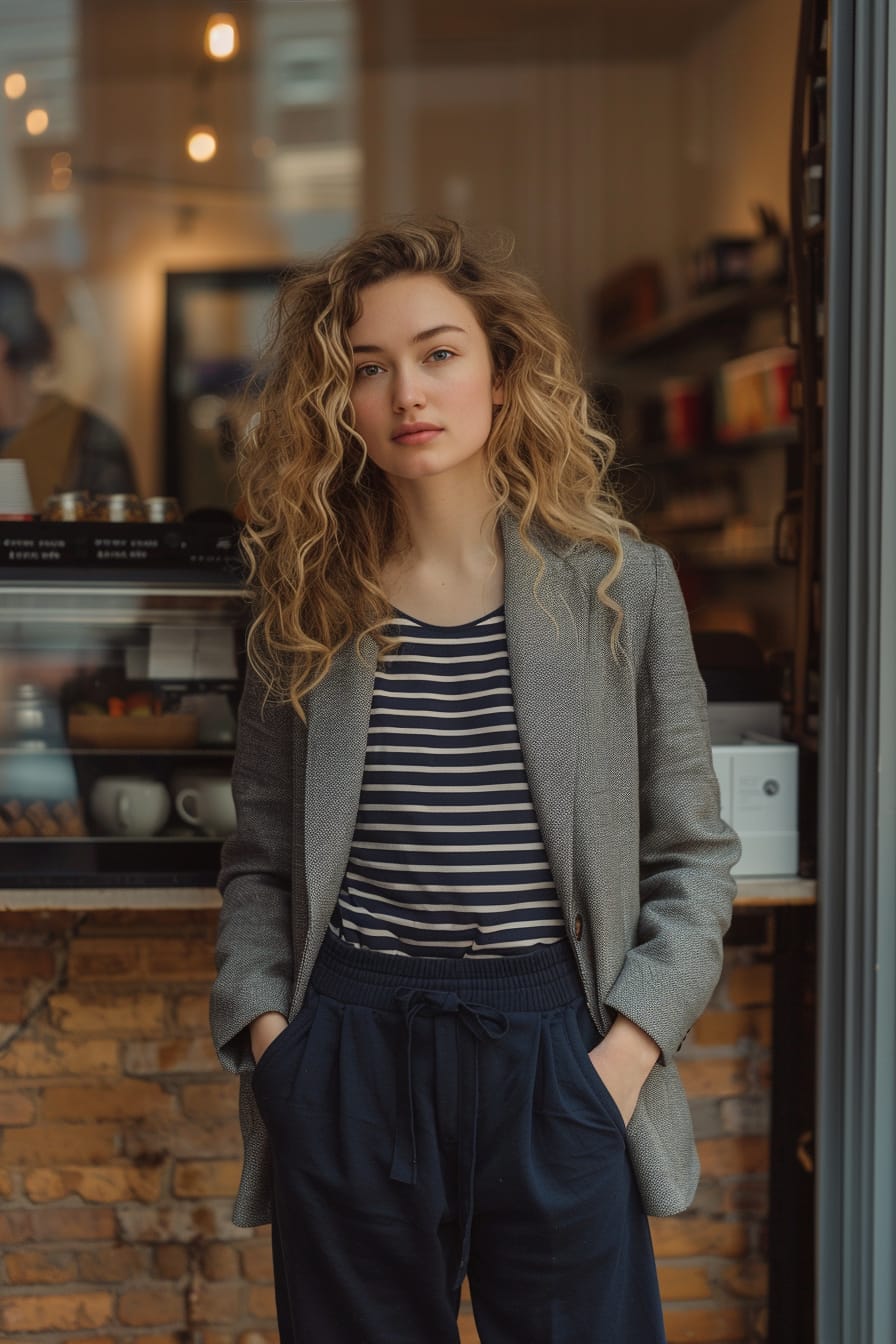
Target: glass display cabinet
(118, 700)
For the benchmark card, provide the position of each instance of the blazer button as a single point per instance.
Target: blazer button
(577, 927)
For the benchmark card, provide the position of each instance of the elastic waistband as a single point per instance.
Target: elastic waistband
(545, 978)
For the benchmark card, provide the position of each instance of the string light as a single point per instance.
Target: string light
(202, 144)
(222, 39)
(15, 84)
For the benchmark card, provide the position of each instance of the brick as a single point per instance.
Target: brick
(69, 1224)
(713, 1077)
(745, 985)
(57, 1311)
(257, 1263)
(262, 1305)
(720, 1028)
(706, 1117)
(96, 1184)
(705, 1325)
(194, 1180)
(21, 965)
(107, 959)
(16, 1109)
(94, 1339)
(746, 1196)
(747, 1115)
(191, 1012)
(151, 1306)
(173, 959)
(130, 1014)
(260, 1337)
(156, 1338)
(209, 1101)
(689, 1236)
(179, 1223)
(221, 1303)
(12, 1005)
(111, 1264)
(59, 1143)
(171, 1262)
(172, 1056)
(220, 1262)
(36, 923)
(5, 1184)
(39, 1267)
(156, 1138)
(747, 1279)
(683, 1283)
(120, 1101)
(45, 1059)
(15, 1227)
(746, 1154)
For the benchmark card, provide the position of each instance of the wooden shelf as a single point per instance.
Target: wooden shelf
(724, 305)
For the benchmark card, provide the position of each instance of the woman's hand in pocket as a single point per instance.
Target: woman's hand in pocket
(623, 1059)
(263, 1031)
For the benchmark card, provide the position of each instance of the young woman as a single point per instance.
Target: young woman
(479, 882)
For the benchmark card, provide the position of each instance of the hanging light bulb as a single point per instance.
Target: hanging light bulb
(222, 39)
(15, 84)
(37, 121)
(202, 144)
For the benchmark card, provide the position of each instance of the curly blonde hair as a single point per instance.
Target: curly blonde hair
(321, 519)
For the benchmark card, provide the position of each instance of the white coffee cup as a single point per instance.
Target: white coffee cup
(15, 496)
(208, 804)
(129, 805)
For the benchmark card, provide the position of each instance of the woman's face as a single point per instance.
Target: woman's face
(424, 388)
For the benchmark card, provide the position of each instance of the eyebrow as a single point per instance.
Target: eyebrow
(415, 340)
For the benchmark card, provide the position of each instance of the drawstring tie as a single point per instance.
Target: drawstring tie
(483, 1023)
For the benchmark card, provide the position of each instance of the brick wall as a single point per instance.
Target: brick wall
(119, 1147)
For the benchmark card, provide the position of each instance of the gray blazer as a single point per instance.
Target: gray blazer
(620, 771)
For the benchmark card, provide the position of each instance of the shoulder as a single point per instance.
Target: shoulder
(643, 565)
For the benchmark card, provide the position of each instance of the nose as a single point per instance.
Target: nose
(407, 390)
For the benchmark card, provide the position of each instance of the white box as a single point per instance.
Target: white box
(758, 784)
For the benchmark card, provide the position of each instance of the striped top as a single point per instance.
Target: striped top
(447, 858)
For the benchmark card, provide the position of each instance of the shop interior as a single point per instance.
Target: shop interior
(158, 180)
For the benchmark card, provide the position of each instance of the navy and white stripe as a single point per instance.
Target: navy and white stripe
(447, 858)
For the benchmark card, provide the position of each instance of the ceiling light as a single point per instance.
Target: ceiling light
(222, 39)
(37, 121)
(202, 144)
(14, 85)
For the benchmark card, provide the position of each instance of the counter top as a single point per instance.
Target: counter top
(753, 893)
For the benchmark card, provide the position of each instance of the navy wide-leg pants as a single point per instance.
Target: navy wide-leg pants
(432, 1118)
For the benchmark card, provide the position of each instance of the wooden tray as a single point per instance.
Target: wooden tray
(157, 731)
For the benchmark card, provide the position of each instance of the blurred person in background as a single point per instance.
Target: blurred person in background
(64, 446)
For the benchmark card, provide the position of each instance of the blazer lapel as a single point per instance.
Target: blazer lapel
(546, 675)
(338, 716)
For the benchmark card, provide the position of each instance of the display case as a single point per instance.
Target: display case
(118, 700)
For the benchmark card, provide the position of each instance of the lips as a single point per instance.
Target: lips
(418, 432)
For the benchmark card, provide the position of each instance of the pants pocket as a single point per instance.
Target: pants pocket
(273, 1075)
(582, 1036)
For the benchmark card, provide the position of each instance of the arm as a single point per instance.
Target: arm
(686, 850)
(254, 950)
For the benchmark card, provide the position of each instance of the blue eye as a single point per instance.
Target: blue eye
(366, 370)
(436, 353)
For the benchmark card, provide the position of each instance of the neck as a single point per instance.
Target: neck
(448, 526)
